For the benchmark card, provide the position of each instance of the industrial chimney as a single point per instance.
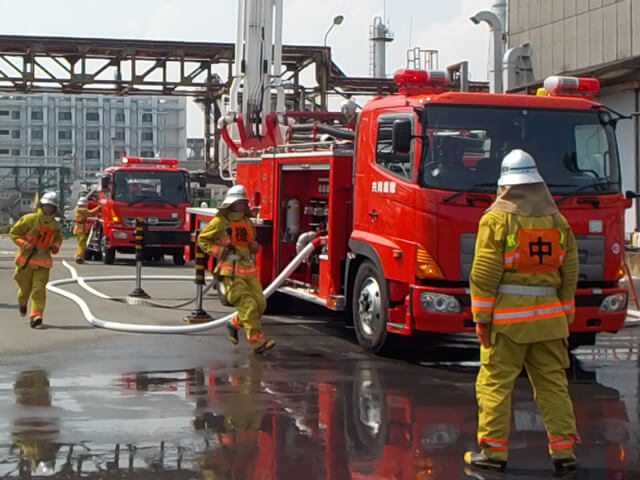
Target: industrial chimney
(379, 35)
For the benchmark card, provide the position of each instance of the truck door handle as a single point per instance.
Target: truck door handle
(373, 213)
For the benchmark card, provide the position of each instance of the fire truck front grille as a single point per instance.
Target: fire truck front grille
(154, 222)
(591, 252)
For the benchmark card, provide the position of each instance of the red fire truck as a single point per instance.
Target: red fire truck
(399, 200)
(155, 190)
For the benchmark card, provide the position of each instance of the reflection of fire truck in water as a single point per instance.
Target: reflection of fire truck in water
(152, 189)
(370, 425)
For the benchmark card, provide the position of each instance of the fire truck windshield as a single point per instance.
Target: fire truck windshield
(145, 186)
(466, 145)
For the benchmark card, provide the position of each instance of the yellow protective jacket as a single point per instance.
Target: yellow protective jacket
(514, 253)
(80, 218)
(227, 239)
(36, 234)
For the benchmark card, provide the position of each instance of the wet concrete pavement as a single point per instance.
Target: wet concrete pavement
(81, 403)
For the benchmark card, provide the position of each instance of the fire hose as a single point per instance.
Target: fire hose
(55, 285)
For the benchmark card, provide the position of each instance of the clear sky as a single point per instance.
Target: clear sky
(441, 25)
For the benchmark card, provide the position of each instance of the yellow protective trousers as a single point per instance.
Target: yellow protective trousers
(32, 282)
(245, 293)
(81, 238)
(545, 363)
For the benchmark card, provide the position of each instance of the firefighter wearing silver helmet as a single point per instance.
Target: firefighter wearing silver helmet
(37, 236)
(231, 238)
(81, 215)
(523, 283)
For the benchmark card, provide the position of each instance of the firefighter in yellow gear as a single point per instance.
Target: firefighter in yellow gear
(231, 239)
(82, 213)
(37, 236)
(523, 283)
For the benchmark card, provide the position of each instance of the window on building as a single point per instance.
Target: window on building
(93, 134)
(64, 134)
(4, 132)
(147, 154)
(93, 117)
(119, 117)
(147, 118)
(147, 136)
(92, 154)
(4, 152)
(36, 134)
(118, 154)
(36, 152)
(119, 134)
(64, 116)
(36, 114)
(4, 113)
(16, 152)
(64, 152)
(15, 115)
(15, 133)
(399, 164)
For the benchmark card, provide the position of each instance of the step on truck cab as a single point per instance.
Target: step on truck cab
(154, 190)
(399, 200)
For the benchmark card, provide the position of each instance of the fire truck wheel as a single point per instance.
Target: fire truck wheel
(370, 306)
(222, 294)
(178, 258)
(108, 253)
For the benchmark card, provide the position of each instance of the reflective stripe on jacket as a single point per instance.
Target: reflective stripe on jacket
(228, 242)
(35, 234)
(515, 250)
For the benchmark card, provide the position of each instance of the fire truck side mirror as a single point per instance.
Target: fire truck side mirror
(631, 195)
(402, 135)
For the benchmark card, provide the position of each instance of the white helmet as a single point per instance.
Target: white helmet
(234, 194)
(519, 168)
(50, 198)
(82, 202)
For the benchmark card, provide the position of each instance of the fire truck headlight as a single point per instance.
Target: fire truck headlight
(120, 235)
(614, 303)
(440, 303)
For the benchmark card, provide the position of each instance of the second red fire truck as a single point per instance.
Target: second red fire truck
(399, 200)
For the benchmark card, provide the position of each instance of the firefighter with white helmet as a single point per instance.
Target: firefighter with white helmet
(523, 283)
(37, 236)
(81, 215)
(231, 239)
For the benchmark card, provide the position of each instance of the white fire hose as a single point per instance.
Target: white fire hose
(55, 285)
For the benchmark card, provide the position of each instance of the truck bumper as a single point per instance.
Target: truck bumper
(170, 239)
(588, 317)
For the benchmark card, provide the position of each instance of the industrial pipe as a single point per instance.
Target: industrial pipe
(55, 285)
(334, 132)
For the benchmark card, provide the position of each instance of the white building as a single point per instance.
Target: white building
(90, 132)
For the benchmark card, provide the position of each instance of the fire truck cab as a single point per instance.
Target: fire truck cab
(400, 198)
(154, 190)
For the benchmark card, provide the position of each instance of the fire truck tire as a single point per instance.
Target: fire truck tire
(222, 294)
(178, 259)
(581, 338)
(108, 253)
(370, 306)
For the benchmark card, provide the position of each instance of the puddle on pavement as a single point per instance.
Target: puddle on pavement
(273, 420)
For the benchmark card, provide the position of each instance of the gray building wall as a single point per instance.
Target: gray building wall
(90, 133)
(568, 35)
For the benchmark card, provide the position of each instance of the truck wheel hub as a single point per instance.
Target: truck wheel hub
(369, 306)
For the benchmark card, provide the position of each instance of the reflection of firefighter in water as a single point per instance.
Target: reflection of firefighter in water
(34, 436)
(237, 430)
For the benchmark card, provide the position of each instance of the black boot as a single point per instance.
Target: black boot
(35, 321)
(23, 310)
(79, 260)
(564, 466)
(232, 334)
(480, 460)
